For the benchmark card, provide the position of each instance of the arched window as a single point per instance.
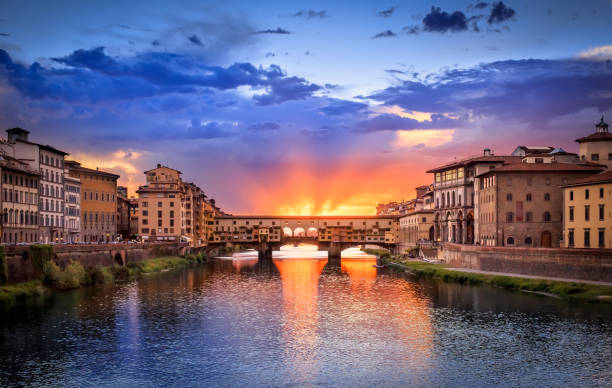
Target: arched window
(510, 241)
(46, 159)
(6, 216)
(11, 216)
(528, 241)
(546, 217)
(528, 197)
(21, 217)
(547, 197)
(509, 197)
(453, 200)
(509, 217)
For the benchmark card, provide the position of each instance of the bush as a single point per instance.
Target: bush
(73, 276)
(101, 275)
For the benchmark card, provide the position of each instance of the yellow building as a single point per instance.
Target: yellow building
(587, 208)
(98, 202)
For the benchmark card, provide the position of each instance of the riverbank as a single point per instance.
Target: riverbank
(565, 290)
(56, 279)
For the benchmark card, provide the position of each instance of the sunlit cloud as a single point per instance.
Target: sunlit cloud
(396, 110)
(601, 52)
(426, 137)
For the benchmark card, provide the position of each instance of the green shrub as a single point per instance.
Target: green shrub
(3, 266)
(40, 254)
(101, 275)
(73, 276)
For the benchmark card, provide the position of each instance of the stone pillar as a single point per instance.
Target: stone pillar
(464, 228)
(334, 251)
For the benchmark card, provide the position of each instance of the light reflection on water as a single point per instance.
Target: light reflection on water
(303, 320)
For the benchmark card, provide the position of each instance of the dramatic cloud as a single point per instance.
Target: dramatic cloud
(441, 21)
(278, 30)
(601, 52)
(393, 122)
(310, 14)
(266, 126)
(480, 5)
(195, 40)
(385, 34)
(4, 34)
(92, 75)
(210, 130)
(411, 30)
(387, 12)
(500, 13)
(338, 107)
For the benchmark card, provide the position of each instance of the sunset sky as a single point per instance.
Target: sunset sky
(302, 108)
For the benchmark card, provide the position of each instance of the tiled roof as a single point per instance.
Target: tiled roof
(517, 167)
(604, 177)
(598, 136)
(75, 166)
(478, 159)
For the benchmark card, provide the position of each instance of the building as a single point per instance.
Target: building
(531, 150)
(98, 203)
(133, 209)
(19, 201)
(50, 162)
(587, 206)
(521, 203)
(597, 147)
(454, 201)
(417, 225)
(72, 210)
(123, 213)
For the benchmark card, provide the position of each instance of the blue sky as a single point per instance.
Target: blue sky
(284, 106)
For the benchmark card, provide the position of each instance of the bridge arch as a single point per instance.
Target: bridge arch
(312, 232)
(299, 232)
(287, 231)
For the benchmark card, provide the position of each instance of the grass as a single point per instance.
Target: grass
(74, 276)
(377, 252)
(566, 290)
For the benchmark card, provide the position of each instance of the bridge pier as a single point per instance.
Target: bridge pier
(264, 250)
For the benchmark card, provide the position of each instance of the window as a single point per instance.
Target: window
(509, 197)
(145, 221)
(587, 238)
(159, 214)
(145, 204)
(594, 156)
(601, 212)
(528, 241)
(601, 192)
(547, 197)
(586, 194)
(510, 241)
(539, 160)
(509, 217)
(159, 222)
(610, 156)
(172, 204)
(159, 204)
(145, 213)
(528, 197)
(570, 237)
(171, 213)
(587, 212)
(571, 213)
(546, 217)
(602, 237)
(571, 195)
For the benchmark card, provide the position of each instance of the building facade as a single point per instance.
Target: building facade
(19, 201)
(123, 213)
(98, 203)
(597, 147)
(133, 209)
(587, 205)
(521, 204)
(417, 225)
(72, 210)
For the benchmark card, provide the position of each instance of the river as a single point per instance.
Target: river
(299, 320)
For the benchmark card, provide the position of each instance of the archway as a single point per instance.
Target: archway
(287, 231)
(459, 237)
(431, 233)
(469, 224)
(546, 239)
(299, 232)
(312, 232)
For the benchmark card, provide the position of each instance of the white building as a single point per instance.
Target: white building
(72, 211)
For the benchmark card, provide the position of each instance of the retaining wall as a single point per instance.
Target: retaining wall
(586, 264)
(20, 267)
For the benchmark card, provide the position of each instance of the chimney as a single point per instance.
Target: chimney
(487, 152)
(158, 165)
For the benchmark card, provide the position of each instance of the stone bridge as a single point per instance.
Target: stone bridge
(330, 233)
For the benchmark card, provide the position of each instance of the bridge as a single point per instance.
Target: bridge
(330, 233)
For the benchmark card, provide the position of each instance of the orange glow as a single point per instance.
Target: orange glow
(427, 137)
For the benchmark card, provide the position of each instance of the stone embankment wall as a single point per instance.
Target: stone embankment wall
(20, 268)
(586, 264)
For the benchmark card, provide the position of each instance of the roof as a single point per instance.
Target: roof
(478, 159)
(604, 177)
(550, 167)
(8, 162)
(263, 217)
(536, 149)
(597, 136)
(44, 147)
(162, 166)
(76, 166)
(17, 129)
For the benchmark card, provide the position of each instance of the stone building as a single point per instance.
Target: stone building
(597, 147)
(454, 206)
(417, 225)
(72, 210)
(587, 206)
(98, 203)
(123, 213)
(521, 204)
(133, 209)
(19, 201)
(50, 162)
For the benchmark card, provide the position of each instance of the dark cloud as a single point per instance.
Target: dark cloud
(480, 5)
(270, 55)
(386, 12)
(385, 34)
(195, 40)
(93, 76)
(500, 13)
(393, 122)
(310, 14)
(411, 30)
(210, 130)
(395, 71)
(337, 107)
(265, 126)
(155, 43)
(278, 30)
(441, 21)
(547, 90)
(4, 34)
